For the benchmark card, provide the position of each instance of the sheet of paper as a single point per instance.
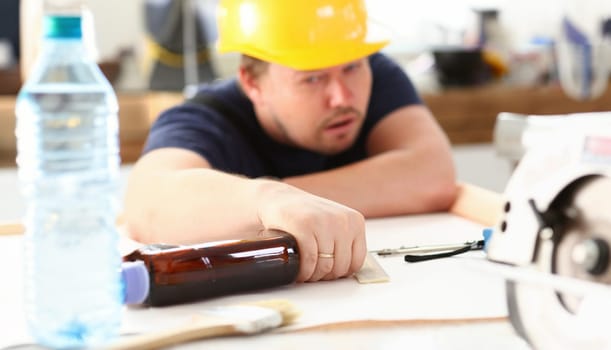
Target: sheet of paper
(439, 289)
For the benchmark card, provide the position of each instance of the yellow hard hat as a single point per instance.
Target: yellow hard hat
(301, 34)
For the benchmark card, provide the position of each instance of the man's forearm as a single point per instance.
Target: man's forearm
(191, 205)
(392, 183)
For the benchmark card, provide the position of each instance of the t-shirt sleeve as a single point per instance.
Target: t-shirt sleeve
(391, 89)
(195, 128)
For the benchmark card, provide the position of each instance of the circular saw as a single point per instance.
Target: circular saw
(557, 221)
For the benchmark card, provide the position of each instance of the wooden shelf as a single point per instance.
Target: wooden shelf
(468, 115)
(136, 111)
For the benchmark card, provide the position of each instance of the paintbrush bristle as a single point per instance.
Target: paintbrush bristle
(287, 310)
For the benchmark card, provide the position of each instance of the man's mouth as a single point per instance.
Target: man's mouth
(340, 123)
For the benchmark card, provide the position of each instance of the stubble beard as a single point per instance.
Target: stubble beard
(289, 140)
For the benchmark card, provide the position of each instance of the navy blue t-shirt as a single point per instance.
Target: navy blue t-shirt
(205, 131)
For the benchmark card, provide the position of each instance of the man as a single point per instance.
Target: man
(337, 126)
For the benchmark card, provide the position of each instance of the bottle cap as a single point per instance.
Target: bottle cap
(62, 26)
(136, 281)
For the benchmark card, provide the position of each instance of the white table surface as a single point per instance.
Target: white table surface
(441, 292)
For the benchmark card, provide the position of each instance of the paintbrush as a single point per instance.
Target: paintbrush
(242, 319)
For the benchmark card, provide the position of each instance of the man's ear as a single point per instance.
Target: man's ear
(250, 85)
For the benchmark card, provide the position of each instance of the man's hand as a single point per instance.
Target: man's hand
(174, 197)
(331, 237)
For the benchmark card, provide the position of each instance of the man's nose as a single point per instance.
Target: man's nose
(339, 93)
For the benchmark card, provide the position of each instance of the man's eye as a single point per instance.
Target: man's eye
(312, 79)
(352, 67)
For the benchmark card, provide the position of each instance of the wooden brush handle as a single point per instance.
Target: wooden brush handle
(11, 228)
(478, 204)
(163, 338)
(16, 228)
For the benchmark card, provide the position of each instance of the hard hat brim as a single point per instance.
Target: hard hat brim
(311, 58)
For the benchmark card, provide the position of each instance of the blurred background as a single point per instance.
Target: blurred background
(470, 60)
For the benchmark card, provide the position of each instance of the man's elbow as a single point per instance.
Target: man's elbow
(443, 195)
(441, 191)
(137, 217)
(135, 227)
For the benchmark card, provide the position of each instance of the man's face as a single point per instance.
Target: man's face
(321, 110)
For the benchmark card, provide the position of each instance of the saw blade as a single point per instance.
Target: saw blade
(574, 246)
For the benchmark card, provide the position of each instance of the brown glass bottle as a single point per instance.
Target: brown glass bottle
(180, 274)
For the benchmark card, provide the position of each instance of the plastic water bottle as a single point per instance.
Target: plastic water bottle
(68, 163)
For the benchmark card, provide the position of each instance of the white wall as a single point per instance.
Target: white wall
(415, 25)
(417, 22)
(119, 23)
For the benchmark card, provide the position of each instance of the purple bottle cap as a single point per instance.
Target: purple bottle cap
(136, 281)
